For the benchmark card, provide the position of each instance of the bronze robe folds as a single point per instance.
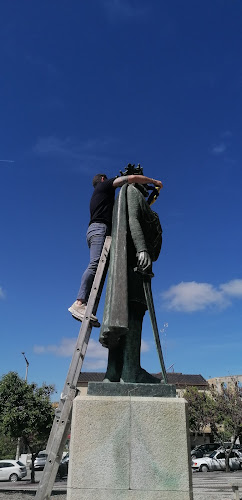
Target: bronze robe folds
(135, 228)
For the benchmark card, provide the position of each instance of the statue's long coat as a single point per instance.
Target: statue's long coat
(135, 228)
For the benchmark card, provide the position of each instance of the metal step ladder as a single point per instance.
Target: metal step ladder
(62, 420)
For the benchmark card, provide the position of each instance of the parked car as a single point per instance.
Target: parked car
(216, 461)
(206, 449)
(40, 460)
(63, 467)
(12, 470)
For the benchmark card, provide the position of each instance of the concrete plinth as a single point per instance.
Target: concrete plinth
(129, 448)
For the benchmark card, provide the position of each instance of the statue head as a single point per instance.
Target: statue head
(132, 170)
(143, 188)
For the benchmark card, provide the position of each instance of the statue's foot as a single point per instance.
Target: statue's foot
(141, 376)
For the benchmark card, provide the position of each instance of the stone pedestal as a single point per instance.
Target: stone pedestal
(129, 448)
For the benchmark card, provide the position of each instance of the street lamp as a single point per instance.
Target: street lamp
(27, 365)
(19, 439)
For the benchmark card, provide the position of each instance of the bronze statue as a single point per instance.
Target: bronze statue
(136, 243)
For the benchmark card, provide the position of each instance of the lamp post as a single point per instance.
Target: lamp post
(19, 439)
(27, 366)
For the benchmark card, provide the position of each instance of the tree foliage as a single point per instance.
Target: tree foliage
(228, 418)
(26, 411)
(220, 409)
(201, 408)
(8, 446)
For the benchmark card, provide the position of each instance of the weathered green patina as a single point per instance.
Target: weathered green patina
(127, 389)
(136, 228)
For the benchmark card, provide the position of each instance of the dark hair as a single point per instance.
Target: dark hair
(98, 178)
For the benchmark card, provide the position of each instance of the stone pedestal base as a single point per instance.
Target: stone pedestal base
(129, 448)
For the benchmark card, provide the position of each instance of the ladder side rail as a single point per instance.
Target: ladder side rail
(92, 305)
(69, 391)
(68, 387)
(49, 475)
(61, 424)
(58, 437)
(57, 440)
(84, 334)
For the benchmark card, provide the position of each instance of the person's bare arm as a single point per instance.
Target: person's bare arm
(135, 179)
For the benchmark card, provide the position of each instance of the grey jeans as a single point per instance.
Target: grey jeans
(96, 235)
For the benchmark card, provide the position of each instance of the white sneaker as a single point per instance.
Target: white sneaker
(78, 311)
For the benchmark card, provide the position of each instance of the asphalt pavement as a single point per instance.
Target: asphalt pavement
(25, 490)
(216, 485)
(206, 486)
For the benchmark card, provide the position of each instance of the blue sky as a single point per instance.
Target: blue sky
(88, 87)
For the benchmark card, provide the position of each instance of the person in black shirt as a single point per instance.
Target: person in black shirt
(101, 208)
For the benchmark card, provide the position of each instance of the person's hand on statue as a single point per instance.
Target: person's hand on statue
(158, 184)
(144, 260)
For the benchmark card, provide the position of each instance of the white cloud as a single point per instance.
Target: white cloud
(96, 355)
(145, 347)
(192, 296)
(96, 350)
(2, 293)
(66, 348)
(219, 148)
(98, 364)
(233, 288)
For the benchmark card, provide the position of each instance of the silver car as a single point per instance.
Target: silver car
(40, 460)
(12, 470)
(216, 461)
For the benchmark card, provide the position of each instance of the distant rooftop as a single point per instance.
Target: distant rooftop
(178, 379)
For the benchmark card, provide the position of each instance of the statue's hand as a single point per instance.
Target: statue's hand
(144, 260)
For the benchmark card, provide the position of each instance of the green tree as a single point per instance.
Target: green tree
(200, 410)
(8, 446)
(221, 410)
(227, 417)
(26, 411)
